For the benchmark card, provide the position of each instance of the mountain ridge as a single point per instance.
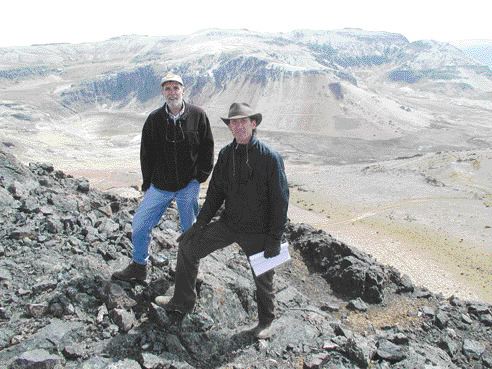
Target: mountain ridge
(347, 83)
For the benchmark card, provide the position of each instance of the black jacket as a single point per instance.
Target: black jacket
(172, 155)
(251, 180)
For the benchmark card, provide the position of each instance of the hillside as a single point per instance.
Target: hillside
(480, 50)
(337, 307)
(302, 80)
(76, 104)
(387, 143)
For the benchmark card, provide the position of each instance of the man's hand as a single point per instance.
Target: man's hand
(193, 233)
(272, 247)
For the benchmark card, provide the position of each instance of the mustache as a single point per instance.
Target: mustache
(174, 101)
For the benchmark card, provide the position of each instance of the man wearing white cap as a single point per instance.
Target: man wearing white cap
(249, 179)
(176, 155)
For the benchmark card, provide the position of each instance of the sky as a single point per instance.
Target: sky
(26, 22)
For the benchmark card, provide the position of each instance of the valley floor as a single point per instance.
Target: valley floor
(439, 236)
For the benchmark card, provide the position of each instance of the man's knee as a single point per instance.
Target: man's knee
(188, 249)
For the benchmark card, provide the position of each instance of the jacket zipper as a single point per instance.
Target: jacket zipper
(176, 151)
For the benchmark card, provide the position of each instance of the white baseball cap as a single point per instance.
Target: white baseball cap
(171, 77)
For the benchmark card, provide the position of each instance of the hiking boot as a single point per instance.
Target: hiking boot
(164, 302)
(133, 272)
(262, 331)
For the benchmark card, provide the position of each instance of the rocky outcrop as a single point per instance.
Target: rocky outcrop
(210, 60)
(141, 83)
(16, 74)
(350, 273)
(337, 307)
(412, 76)
(254, 67)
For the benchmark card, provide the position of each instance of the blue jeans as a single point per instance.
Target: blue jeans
(151, 209)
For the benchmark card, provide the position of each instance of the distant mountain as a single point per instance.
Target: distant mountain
(480, 50)
(348, 82)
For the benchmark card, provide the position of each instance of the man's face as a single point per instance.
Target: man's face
(242, 129)
(173, 94)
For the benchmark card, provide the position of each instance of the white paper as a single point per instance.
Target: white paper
(260, 264)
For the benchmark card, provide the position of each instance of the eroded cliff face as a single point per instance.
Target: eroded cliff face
(337, 307)
(372, 95)
(302, 80)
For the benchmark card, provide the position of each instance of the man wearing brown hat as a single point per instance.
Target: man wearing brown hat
(250, 178)
(176, 155)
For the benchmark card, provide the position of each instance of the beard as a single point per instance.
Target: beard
(175, 103)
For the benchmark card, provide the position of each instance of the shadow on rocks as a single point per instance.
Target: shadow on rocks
(196, 338)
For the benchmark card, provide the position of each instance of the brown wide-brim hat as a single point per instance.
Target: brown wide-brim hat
(242, 110)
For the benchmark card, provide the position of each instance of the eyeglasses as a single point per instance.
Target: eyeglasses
(179, 135)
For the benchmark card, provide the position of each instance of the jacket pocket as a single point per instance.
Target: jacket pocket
(191, 138)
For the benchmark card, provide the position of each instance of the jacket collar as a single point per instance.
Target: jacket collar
(250, 144)
(182, 116)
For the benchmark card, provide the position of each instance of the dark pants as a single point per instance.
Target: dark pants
(217, 236)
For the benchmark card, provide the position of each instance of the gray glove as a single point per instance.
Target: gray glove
(193, 233)
(271, 246)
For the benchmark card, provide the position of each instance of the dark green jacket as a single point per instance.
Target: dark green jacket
(172, 155)
(251, 181)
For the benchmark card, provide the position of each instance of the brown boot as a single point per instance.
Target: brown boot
(133, 272)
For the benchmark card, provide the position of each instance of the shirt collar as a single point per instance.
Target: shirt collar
(251, 142)
(175, 117)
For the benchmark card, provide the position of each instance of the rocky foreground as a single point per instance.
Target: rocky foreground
(337, 307)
